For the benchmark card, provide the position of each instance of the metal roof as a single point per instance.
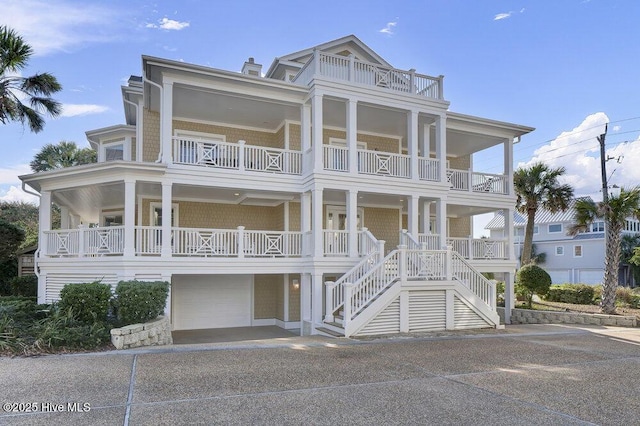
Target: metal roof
(542, 217)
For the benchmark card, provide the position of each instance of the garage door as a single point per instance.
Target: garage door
(560, 276)
(211, 301)
(590, 276)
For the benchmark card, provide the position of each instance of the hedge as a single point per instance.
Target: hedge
(140, 301)
(581, 294)
(26, 286)
(89, 302)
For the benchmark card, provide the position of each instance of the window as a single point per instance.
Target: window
(113, 218)
(114, 152)
(597, 227)
(559, 251)
(577, 251)
(555, 228)
(536, 230)
(156, 214)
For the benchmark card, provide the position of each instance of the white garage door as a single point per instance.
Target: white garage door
(211, 301)
(560, 276)
(590, 276)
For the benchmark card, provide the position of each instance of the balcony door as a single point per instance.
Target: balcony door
(336, 219)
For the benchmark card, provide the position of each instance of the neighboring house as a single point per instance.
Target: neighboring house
(569, 259)
(26, 261)
(274, 199)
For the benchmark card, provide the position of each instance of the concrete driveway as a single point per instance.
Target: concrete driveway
(536, 374)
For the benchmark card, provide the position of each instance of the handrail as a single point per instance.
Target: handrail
(468, 276)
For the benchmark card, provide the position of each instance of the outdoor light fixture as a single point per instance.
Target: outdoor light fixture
(296, 284)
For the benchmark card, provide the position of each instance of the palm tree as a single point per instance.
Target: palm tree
(37, 89)
(538, 186)
(615, 214)
(64, 154)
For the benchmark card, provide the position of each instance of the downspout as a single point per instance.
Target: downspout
(36, 255)
(146, 80)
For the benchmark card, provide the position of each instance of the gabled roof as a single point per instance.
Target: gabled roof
(351, 43)
(542, 217)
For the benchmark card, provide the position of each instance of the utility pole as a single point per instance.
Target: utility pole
(603, 170)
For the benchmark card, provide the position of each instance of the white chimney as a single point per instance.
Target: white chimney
(251, 68)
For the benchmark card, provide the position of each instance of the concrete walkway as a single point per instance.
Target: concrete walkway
(536, 374)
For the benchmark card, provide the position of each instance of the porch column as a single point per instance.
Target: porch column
(425, 144)
(352, 135)
(285, 307)
(316, 222)
(509, 252)
(64, 217)
(441, 222)
(412, 213)
(305, 134)
(441, 146)
(316, 298)
(166, 219)
(412, 142)
(352, 221)
(508, 165)
(509, 296)
(139, 129)
(305, 304)
(305, 223)
(166, 122)
(129, 217)
(316, 109)
(44, 218)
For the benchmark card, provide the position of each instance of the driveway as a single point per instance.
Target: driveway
(535, 374)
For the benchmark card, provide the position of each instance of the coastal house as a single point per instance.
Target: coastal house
(331, 193)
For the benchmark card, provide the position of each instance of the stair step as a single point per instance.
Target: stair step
(330, 332)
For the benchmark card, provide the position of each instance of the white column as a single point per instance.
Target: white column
(318, 163)
(426, 216)
(425, 145)
(316, 222)
(352, 221)
(305, 223)
(508, 165)
(166, 122)
(508, 230)
(441, 221)
(305, 127)
(44, 218)
(412, 213)
(64, 217)
(412, 142)
(139, 129)
(441, 146)
(352, 135)
(166, 219)
(316, 298)
(509, 296)
(129, 217)
(285, 313)
(305, 304)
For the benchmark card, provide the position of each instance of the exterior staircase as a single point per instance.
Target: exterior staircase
(411, 289)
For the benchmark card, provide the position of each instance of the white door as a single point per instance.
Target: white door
(590, 276)
(211, 301)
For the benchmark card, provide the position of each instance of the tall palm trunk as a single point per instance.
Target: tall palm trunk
(528, 237)
(611, 261)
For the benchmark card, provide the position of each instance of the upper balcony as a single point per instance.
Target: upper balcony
(348, 68)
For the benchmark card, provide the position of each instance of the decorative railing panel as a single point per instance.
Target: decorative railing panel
(429, 169)
(384, 163)
(336, 158)
(465, 180)
(272, 160)
(336, 243)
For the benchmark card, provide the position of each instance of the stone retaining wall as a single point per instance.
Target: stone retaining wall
(529, 316)
(157, 332)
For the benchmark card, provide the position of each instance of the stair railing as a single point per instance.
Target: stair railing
(468, 276)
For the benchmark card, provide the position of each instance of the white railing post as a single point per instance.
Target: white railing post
(241, 155)
(240, 241)
(351, 68)
(412, 81)
(329, 286)
(316, 61)
(470, 243)
(440, 87)
(470, 180)
(423, 246)
(381, 248)
(402, 262)
(81, 231)
(449, 264)
(348, 295)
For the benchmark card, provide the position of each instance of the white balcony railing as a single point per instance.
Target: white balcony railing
(236, 156)
(466, 180)
(336, 243)
(84, 242)
(336, 158)
(479, 248)
(384, 163)
(348, 68)
(429, 169)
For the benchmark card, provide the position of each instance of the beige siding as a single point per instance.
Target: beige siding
(384, 224)
(295, 137)
(193, 214)
(279, 137)
(280, 299)
(265, 295)
(294, 298)
(232, 134)
(151, 137)
(460, 163)
(133, 149)
(459, 227)
(294, 216)
(374, 143)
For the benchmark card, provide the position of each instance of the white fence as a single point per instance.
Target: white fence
(466, 180)
(84, 242)
(384, 163)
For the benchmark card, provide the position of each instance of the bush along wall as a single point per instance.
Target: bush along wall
(140, 301)
(581, 294)
(88, 302)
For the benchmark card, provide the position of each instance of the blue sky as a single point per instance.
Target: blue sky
(563, 67)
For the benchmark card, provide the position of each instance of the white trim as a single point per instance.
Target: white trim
(262, 322)
(228, 125)
(287, 325)
(342, 143)
(202, 135)
(174, 208)
(554, 232)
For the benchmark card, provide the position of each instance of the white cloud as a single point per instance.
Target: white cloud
(74, 110)
(169, 24)
(9, 175)
(60, 26)
(617, 128)
(578, 151)
(14, 193)
(500, 16)
(388, 29)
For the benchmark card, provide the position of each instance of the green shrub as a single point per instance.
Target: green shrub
(139, 301)
(533, 280)
(63, 329)
(89, 302)
(26, 285)
(500, 289)
(581, 294)
(627, 297)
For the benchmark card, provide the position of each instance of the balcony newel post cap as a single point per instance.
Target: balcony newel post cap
(330, 284)
(364, 229)
(240, 228)
(241, 142)
(404, 231)
(449, 248)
